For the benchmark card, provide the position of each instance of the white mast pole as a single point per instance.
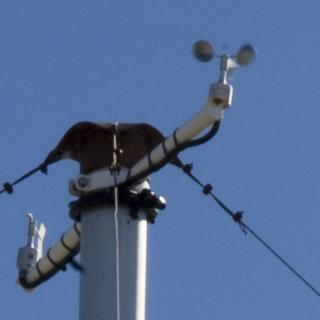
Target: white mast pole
(98, 282)
(113, 283)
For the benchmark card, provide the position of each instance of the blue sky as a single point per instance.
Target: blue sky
(64, 62)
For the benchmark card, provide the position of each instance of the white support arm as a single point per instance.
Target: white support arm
(210, 114)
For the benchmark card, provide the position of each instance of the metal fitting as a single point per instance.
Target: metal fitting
(83, 181)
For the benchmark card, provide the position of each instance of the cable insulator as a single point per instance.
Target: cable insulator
(207, 189)
(8, 187)
(237, 217)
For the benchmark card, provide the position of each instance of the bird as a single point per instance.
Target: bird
(91, 145)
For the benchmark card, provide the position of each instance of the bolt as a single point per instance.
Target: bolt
(83, 182)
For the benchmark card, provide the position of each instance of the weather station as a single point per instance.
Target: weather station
(115, 204)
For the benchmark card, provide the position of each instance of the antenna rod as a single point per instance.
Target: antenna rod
(31, 230)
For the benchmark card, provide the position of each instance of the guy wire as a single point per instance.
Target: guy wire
(238, 218)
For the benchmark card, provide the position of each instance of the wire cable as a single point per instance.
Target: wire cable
(115, 171)
(238, 218)
(8, 187)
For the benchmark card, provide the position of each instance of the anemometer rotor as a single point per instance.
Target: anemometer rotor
(204, 52)
(222, 92)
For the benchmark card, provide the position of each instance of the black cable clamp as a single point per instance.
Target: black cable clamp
(207, 189)
(145, 200)
(43, 168)
(115, 168)
(187, 168)
(7, 187)
(237, 217)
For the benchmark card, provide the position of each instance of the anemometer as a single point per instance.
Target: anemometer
(222, 92)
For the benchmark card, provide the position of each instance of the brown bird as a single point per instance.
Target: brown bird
(91, 144)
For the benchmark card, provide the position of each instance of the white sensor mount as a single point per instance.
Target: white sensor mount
(32, 252)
